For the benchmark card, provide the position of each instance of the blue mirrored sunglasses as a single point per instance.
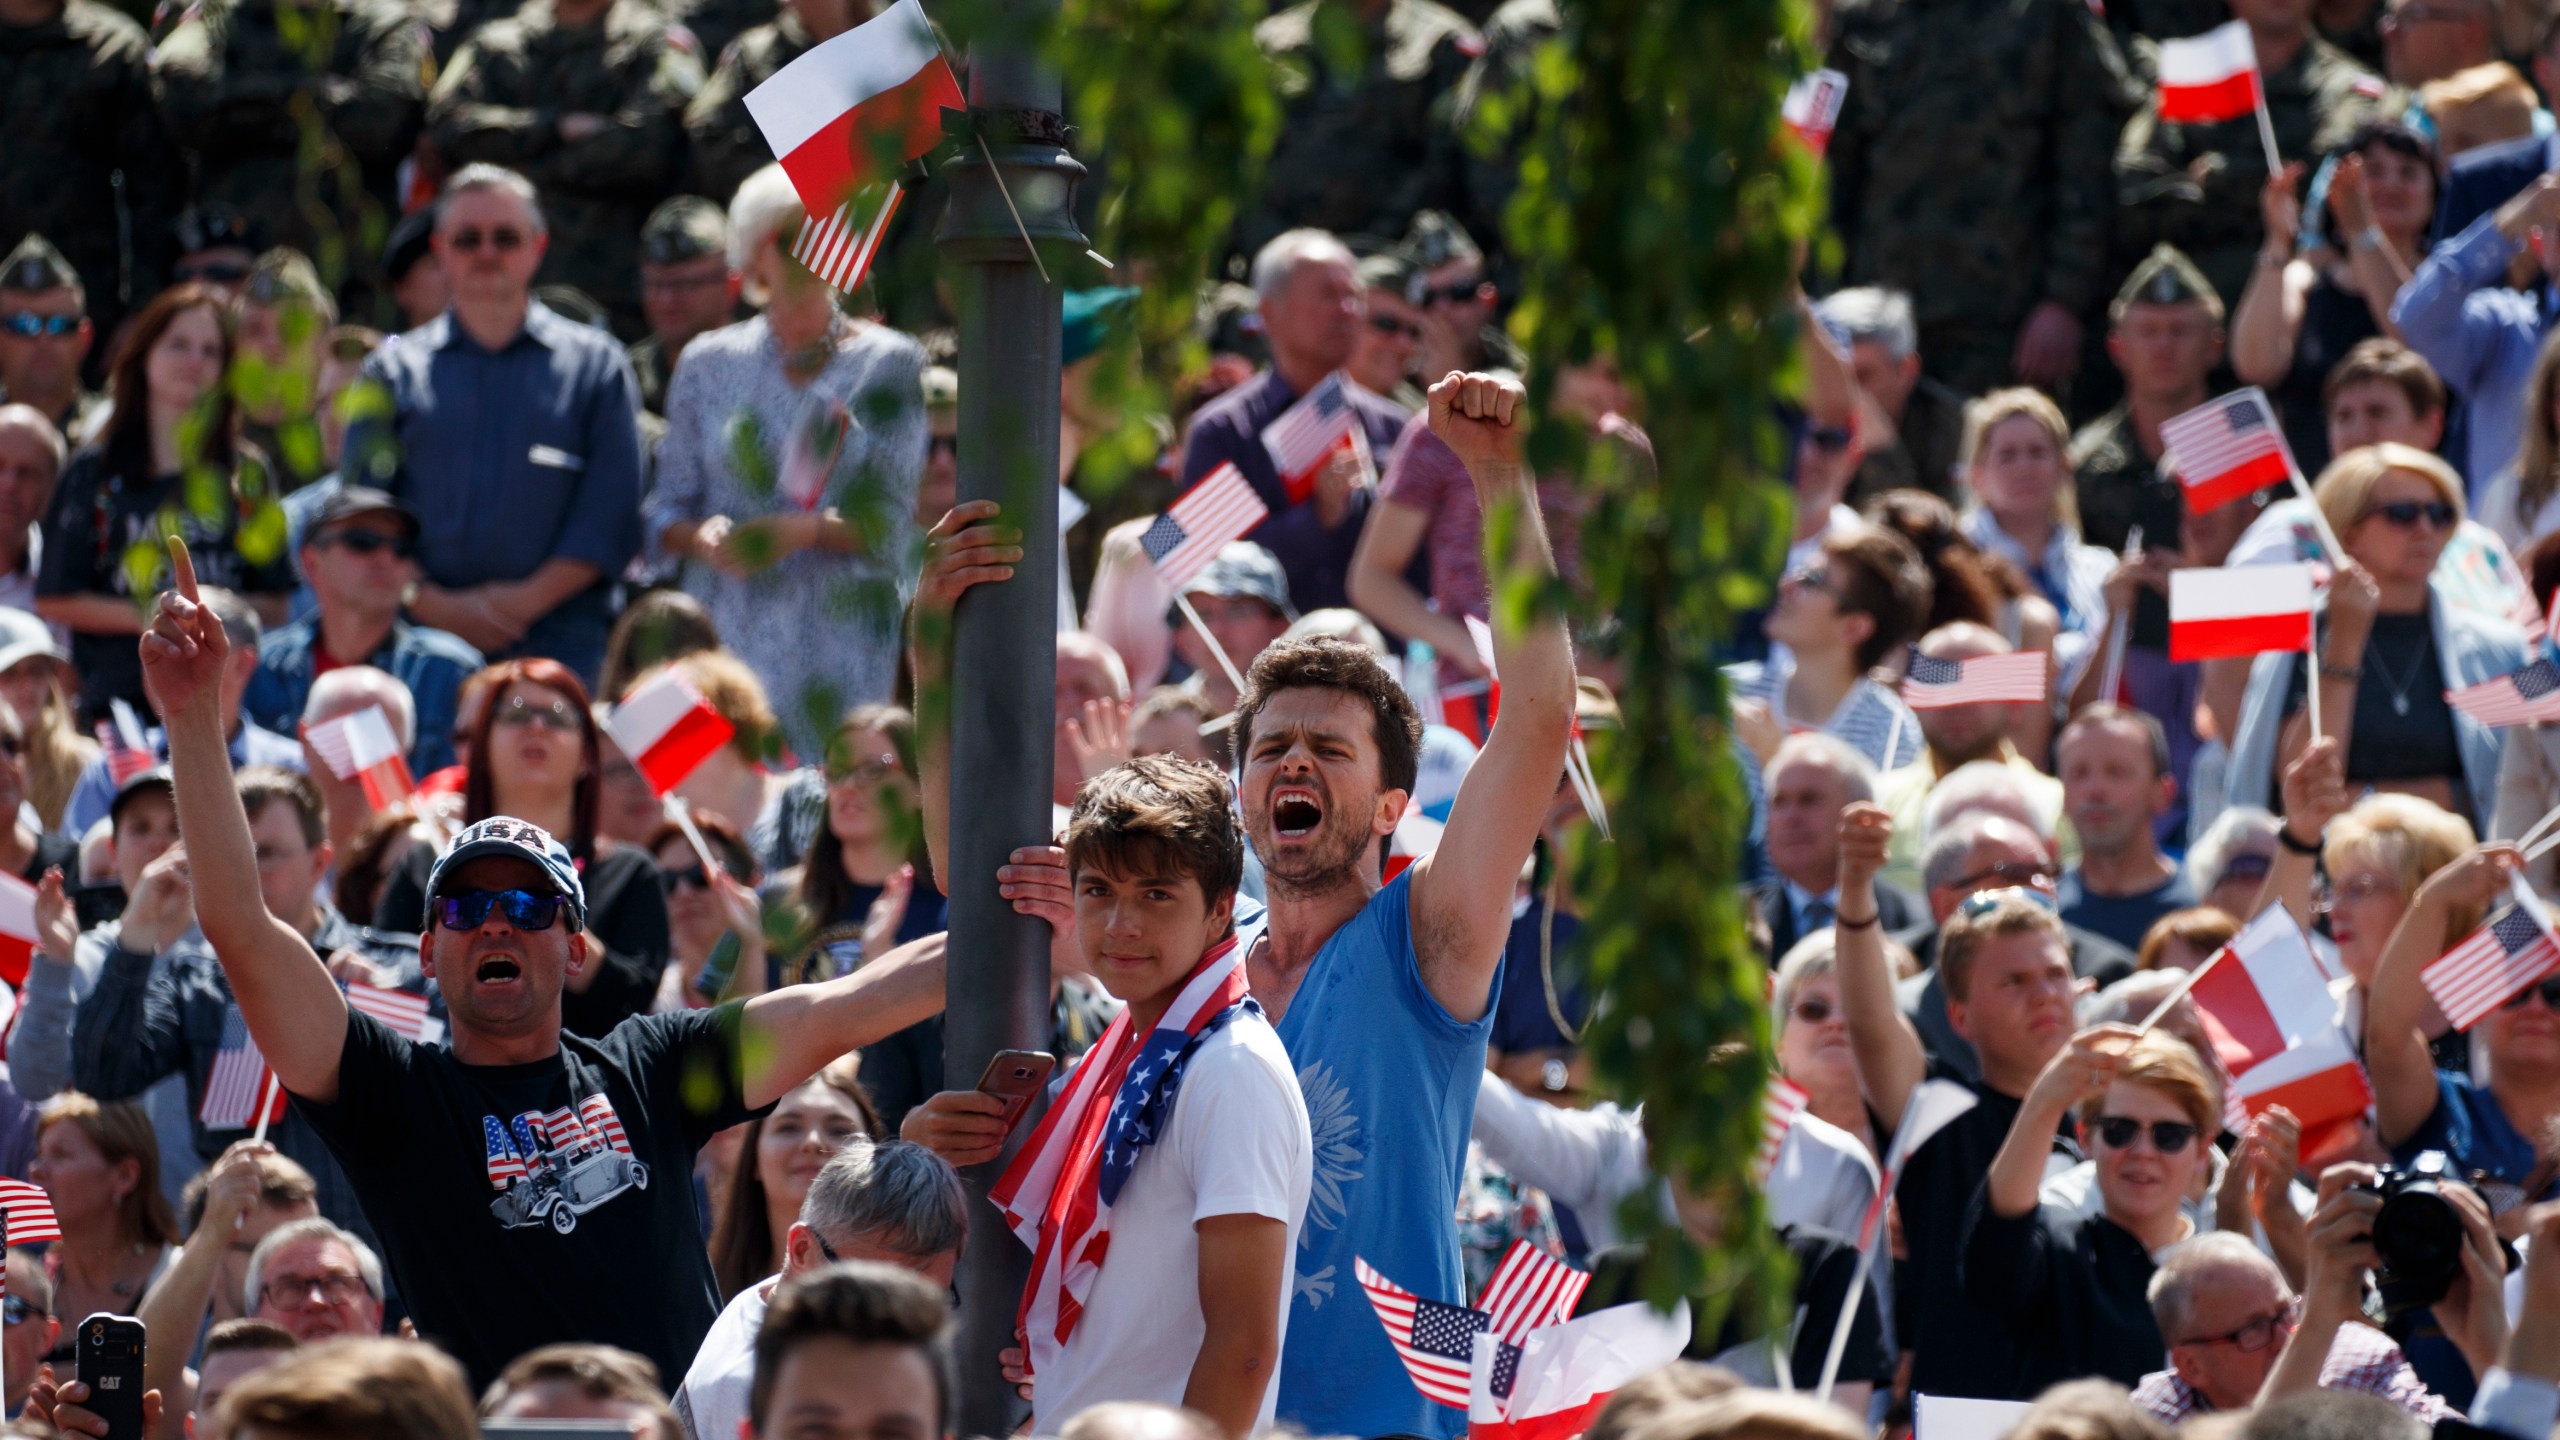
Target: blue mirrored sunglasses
(469, 909)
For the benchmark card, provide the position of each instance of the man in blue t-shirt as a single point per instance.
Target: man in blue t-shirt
(1383, 993)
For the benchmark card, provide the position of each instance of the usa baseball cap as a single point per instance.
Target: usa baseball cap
(513, 839)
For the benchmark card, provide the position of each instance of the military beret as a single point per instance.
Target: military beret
(1434, 240)
(410, 242)
(284, 276)
(1087, 319)
(2165, 277)
(36, 265)
(687, 227)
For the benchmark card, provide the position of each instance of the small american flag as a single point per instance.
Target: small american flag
(128, 750)
(1306, 434)
(1812, 107)
(1436, 1342)
(30, 1213)
(2226, 448)
(238, 1080)
(1530, 1288)
(1780, 1106)
(2528, 696)
(2471, 980)
(1192, 530)
(1934, 684)
(406, 1014)
(839, 248)
(506, 1165)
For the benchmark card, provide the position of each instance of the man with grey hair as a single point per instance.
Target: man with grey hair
(1975, 854)
(2226, 1314)
(1811, 779)
(1311, 305)
(1923, 421)
(316, 1280)
(886, 1201)
(1958, 737)
(515, 431)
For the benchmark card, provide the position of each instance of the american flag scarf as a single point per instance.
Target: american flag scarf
(1057, 1195)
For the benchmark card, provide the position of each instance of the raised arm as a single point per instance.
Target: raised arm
(794, 1032)
(2341, 1254)
(1461, 904)
(1891, 1061)
(2083, 1068)
(2315, 790)
(2395, 1004)
(2263, 329)
(295, 1011)
(179, 1300)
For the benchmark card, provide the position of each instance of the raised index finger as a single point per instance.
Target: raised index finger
(182, 568)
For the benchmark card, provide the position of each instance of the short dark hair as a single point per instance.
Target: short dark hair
(1886, 583)
(2392, 363)
(2107, 712)
(865, 1303)
(1328, 664)
(248, 1335)
(264, 785)
(1158, 815)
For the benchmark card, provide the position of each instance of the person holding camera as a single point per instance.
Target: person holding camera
(2072, 1290)
(2434, 1248)
(2495, 1132)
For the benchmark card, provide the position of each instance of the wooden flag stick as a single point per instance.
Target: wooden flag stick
(2525, 840)
(1235, 677)
(266, 1105)
(2267, 129)
(2120, 626)
(2161, 1010)
(2311, 682)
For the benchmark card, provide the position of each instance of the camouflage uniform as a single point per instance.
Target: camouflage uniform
(502, 102)
(2196, 186)
(687, 227)
(241, 79)
(727, 146)
(2118, 483)
(1359, 154)
(716, 24)
(1923, 453)
(79, 111)
(2028, 97)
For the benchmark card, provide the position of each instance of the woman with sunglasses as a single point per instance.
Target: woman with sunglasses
(2503, 1131)
(2016, 459)
(1812, 1032)
(714, 921)
(1840, 615)
(171, 455)
(795, 442)
(535, 755)
(2392, 642)
(2072, 1289)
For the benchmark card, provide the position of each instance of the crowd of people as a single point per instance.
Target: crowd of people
(448, 370)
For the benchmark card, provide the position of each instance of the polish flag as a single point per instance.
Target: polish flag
(17, 929)
(1416, 835)
(363, 747)
(1812, 107)
(2321, 1082)
(666, 727)
(849, 113)
(2226, 613)
(1551, 1385)
(2210, 77)
(2263, 993)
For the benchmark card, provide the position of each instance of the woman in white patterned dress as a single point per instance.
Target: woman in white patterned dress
(787, 478)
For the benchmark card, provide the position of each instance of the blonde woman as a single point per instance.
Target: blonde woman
(2522, 502)
(2015, 460)
(32, 679)
(2390, 646)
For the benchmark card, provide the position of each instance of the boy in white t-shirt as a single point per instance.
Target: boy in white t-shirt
(1162, 1194)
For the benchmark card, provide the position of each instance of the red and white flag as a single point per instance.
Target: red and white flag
(364, 748)
(17, 929)
(846, 116)
(2209, 77)
(128, 749)
(406, 1014)
(667, 728)
(1934, 684)
(1812, 107)
(2321, 1082)
(1305, 436)
(2263, 993)
(1780, 1107)
(1222, 508)
(2226, 613)
(1556, 1380)
(1529, 1289)
(2227, 447)
(2511, 951)
(1933, 1106)
(29, 1212)
(1416, 835)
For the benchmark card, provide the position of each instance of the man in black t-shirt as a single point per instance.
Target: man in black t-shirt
(528, 1186)
(2009, 989)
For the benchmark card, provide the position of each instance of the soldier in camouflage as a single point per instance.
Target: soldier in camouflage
(2197, 186)
(727, 146)
(45, 333)
(1969, 171)
(686, 288)
(1361, 151)
(84, 155)
(260, 88)
(586, 99)
(2164, 333)
(284, 315)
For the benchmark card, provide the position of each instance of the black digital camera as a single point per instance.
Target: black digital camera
(2417, 1234)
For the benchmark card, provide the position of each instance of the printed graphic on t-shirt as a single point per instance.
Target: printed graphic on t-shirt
(1339, 1149)
(550, 1167)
